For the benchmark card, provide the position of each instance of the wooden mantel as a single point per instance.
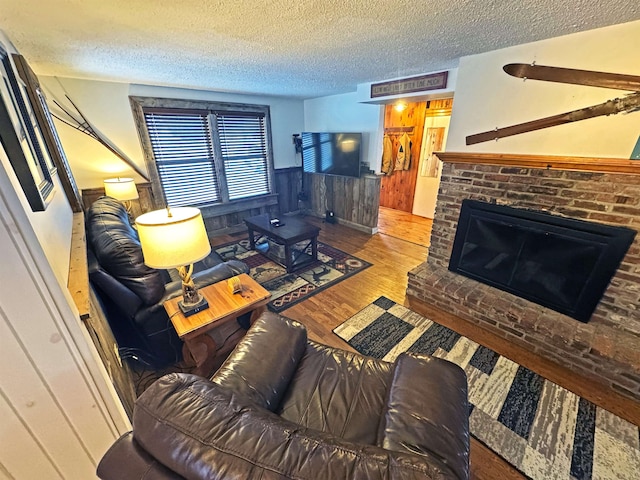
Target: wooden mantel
(581, 164)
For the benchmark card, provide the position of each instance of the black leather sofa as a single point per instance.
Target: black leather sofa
(284, 407)
(132, 294)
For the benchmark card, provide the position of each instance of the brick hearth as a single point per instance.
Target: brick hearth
(607, 348)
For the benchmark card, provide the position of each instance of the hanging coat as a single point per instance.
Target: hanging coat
(403, 158)
(387, 155)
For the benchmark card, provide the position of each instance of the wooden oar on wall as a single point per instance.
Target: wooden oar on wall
(628, 103)
(83, 125)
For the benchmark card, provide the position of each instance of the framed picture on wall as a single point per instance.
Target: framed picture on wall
(49, 132)
(22, 139)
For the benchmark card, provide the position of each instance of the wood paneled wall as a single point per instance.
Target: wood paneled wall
(288, 185)
(397, 189)
(354, 201)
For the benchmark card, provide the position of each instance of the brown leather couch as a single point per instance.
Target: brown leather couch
(285, 407)
(132, 294)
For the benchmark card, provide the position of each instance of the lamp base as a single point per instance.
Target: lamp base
(191, 309)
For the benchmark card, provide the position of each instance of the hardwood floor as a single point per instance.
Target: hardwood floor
(403, 225)
(392, 258)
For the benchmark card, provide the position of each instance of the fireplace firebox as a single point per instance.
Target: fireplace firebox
(561, 263)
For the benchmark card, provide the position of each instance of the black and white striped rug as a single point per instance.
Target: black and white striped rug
(542, 429)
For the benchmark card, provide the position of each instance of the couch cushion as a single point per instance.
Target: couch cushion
(117, 247)
(338, 392)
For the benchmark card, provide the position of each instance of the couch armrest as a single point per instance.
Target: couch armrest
(126, 460)
(219, 272)
(427, 411)
(201, 430)
(264, 361)
(128, 301)
(204, 278)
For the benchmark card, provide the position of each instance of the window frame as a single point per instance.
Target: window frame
(224, 206)
(22, 137)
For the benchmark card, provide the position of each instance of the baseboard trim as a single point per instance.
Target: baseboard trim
(347, 223)
(241, 227)
(357, 226)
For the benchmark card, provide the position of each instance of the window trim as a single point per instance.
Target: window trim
(225, 206)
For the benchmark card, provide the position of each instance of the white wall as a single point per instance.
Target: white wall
(59, 411)
(55, 422)
(106, 105)
(343, 113)
(487, 98)
(424, 200)
(51, 227)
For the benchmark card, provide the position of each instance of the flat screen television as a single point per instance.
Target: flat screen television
(331, 153)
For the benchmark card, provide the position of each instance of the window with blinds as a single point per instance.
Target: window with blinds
(205, 157)
(244, 152)
(183, 149)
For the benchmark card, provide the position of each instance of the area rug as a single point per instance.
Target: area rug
(287, 289)
(542, 429)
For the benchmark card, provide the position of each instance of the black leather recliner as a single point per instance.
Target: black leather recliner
(284, 407)
(131, 293)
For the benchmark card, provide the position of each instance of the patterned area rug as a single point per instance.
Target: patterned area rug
(287, 289)
(543, 430)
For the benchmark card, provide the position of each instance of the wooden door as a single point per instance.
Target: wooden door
(397, 189)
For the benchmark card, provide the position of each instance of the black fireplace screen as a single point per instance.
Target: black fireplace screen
(561, 263)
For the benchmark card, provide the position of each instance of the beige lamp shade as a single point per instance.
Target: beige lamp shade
(121, 188)
(173, 238)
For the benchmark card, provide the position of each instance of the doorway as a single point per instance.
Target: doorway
(409, 187)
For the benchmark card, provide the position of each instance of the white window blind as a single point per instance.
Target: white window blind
(183, 151)
(244, 153)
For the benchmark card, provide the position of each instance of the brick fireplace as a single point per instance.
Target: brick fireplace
(607, 191)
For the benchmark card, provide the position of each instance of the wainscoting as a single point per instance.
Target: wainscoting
(287, 185)
(354, 201)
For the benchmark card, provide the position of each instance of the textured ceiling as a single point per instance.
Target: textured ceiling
(299, 49)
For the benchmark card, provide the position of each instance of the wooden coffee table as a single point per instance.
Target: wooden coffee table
(223, 307)
(288, 234)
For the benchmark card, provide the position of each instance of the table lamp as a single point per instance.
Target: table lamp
(123, 189)
(176, 238)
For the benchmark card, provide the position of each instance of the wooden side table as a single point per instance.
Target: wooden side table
(223, 307)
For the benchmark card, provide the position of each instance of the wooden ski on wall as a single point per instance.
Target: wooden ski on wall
(617, 81)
